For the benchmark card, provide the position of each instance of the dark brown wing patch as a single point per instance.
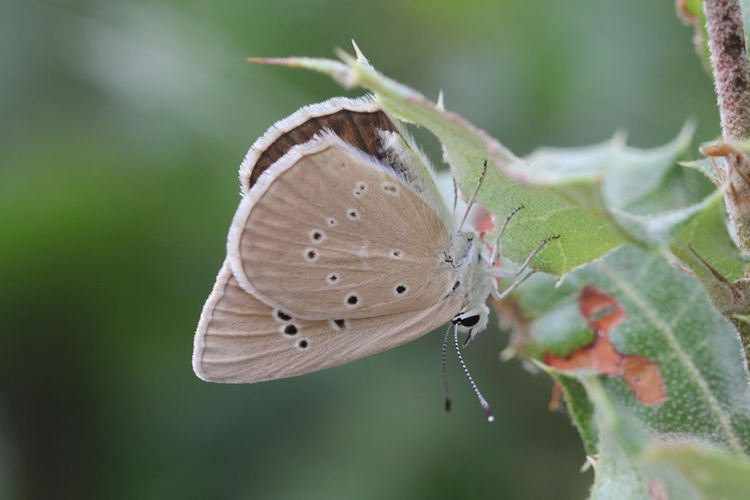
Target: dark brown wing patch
(354, 127)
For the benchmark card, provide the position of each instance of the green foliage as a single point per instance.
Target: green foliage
(672, 365)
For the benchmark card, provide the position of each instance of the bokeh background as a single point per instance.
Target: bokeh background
(122, 124)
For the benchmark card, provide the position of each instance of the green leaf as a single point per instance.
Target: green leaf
(705, 230)
(617, 474)
(674, 365)
(632, 464)
(669, 320)
(579, 407)
(643, 194)
(560, 331)
(611, 175)
(712, 472)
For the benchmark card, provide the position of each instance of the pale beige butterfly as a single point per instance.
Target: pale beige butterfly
(341, 247)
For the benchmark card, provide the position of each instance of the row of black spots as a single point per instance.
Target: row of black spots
(353, 300)
(317, 235)
(291, 330)
(390, 188)
(288, 328)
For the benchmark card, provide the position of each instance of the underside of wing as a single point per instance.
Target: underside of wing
(241, 339)
(328, 231)
(357, 121)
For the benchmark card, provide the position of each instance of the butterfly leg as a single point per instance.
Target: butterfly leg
(500, 233)
(470, 203)
(504, 273)
(513, 286)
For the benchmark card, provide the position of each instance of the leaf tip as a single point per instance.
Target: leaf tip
(619, 139)
(440, 101)
(360, 55)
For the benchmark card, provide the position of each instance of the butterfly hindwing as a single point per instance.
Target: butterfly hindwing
(241, 339)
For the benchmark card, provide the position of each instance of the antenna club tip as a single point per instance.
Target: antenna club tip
(487, 411)
(447, 405)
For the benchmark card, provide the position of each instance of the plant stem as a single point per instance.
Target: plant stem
(726, 41)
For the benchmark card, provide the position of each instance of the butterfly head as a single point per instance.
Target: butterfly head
(470, 260)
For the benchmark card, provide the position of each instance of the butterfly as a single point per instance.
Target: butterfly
(342, 246)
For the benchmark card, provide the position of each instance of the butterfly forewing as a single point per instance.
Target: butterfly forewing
(241, 339)
(356, 121)
(330, 232)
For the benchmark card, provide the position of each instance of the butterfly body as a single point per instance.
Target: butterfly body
(341, 247)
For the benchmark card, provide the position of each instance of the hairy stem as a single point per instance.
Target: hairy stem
(726, 41)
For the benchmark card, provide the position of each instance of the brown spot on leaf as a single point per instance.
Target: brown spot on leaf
(603, 312)
(644, 377)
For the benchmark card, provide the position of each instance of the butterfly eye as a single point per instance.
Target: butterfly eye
(467, 321)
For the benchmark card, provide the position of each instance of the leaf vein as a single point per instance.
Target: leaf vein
(653, 317)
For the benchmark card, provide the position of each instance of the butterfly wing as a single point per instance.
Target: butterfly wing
(357, 121)
(241, 339)
(328, 231)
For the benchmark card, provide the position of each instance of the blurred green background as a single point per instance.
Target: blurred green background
(122, 127)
